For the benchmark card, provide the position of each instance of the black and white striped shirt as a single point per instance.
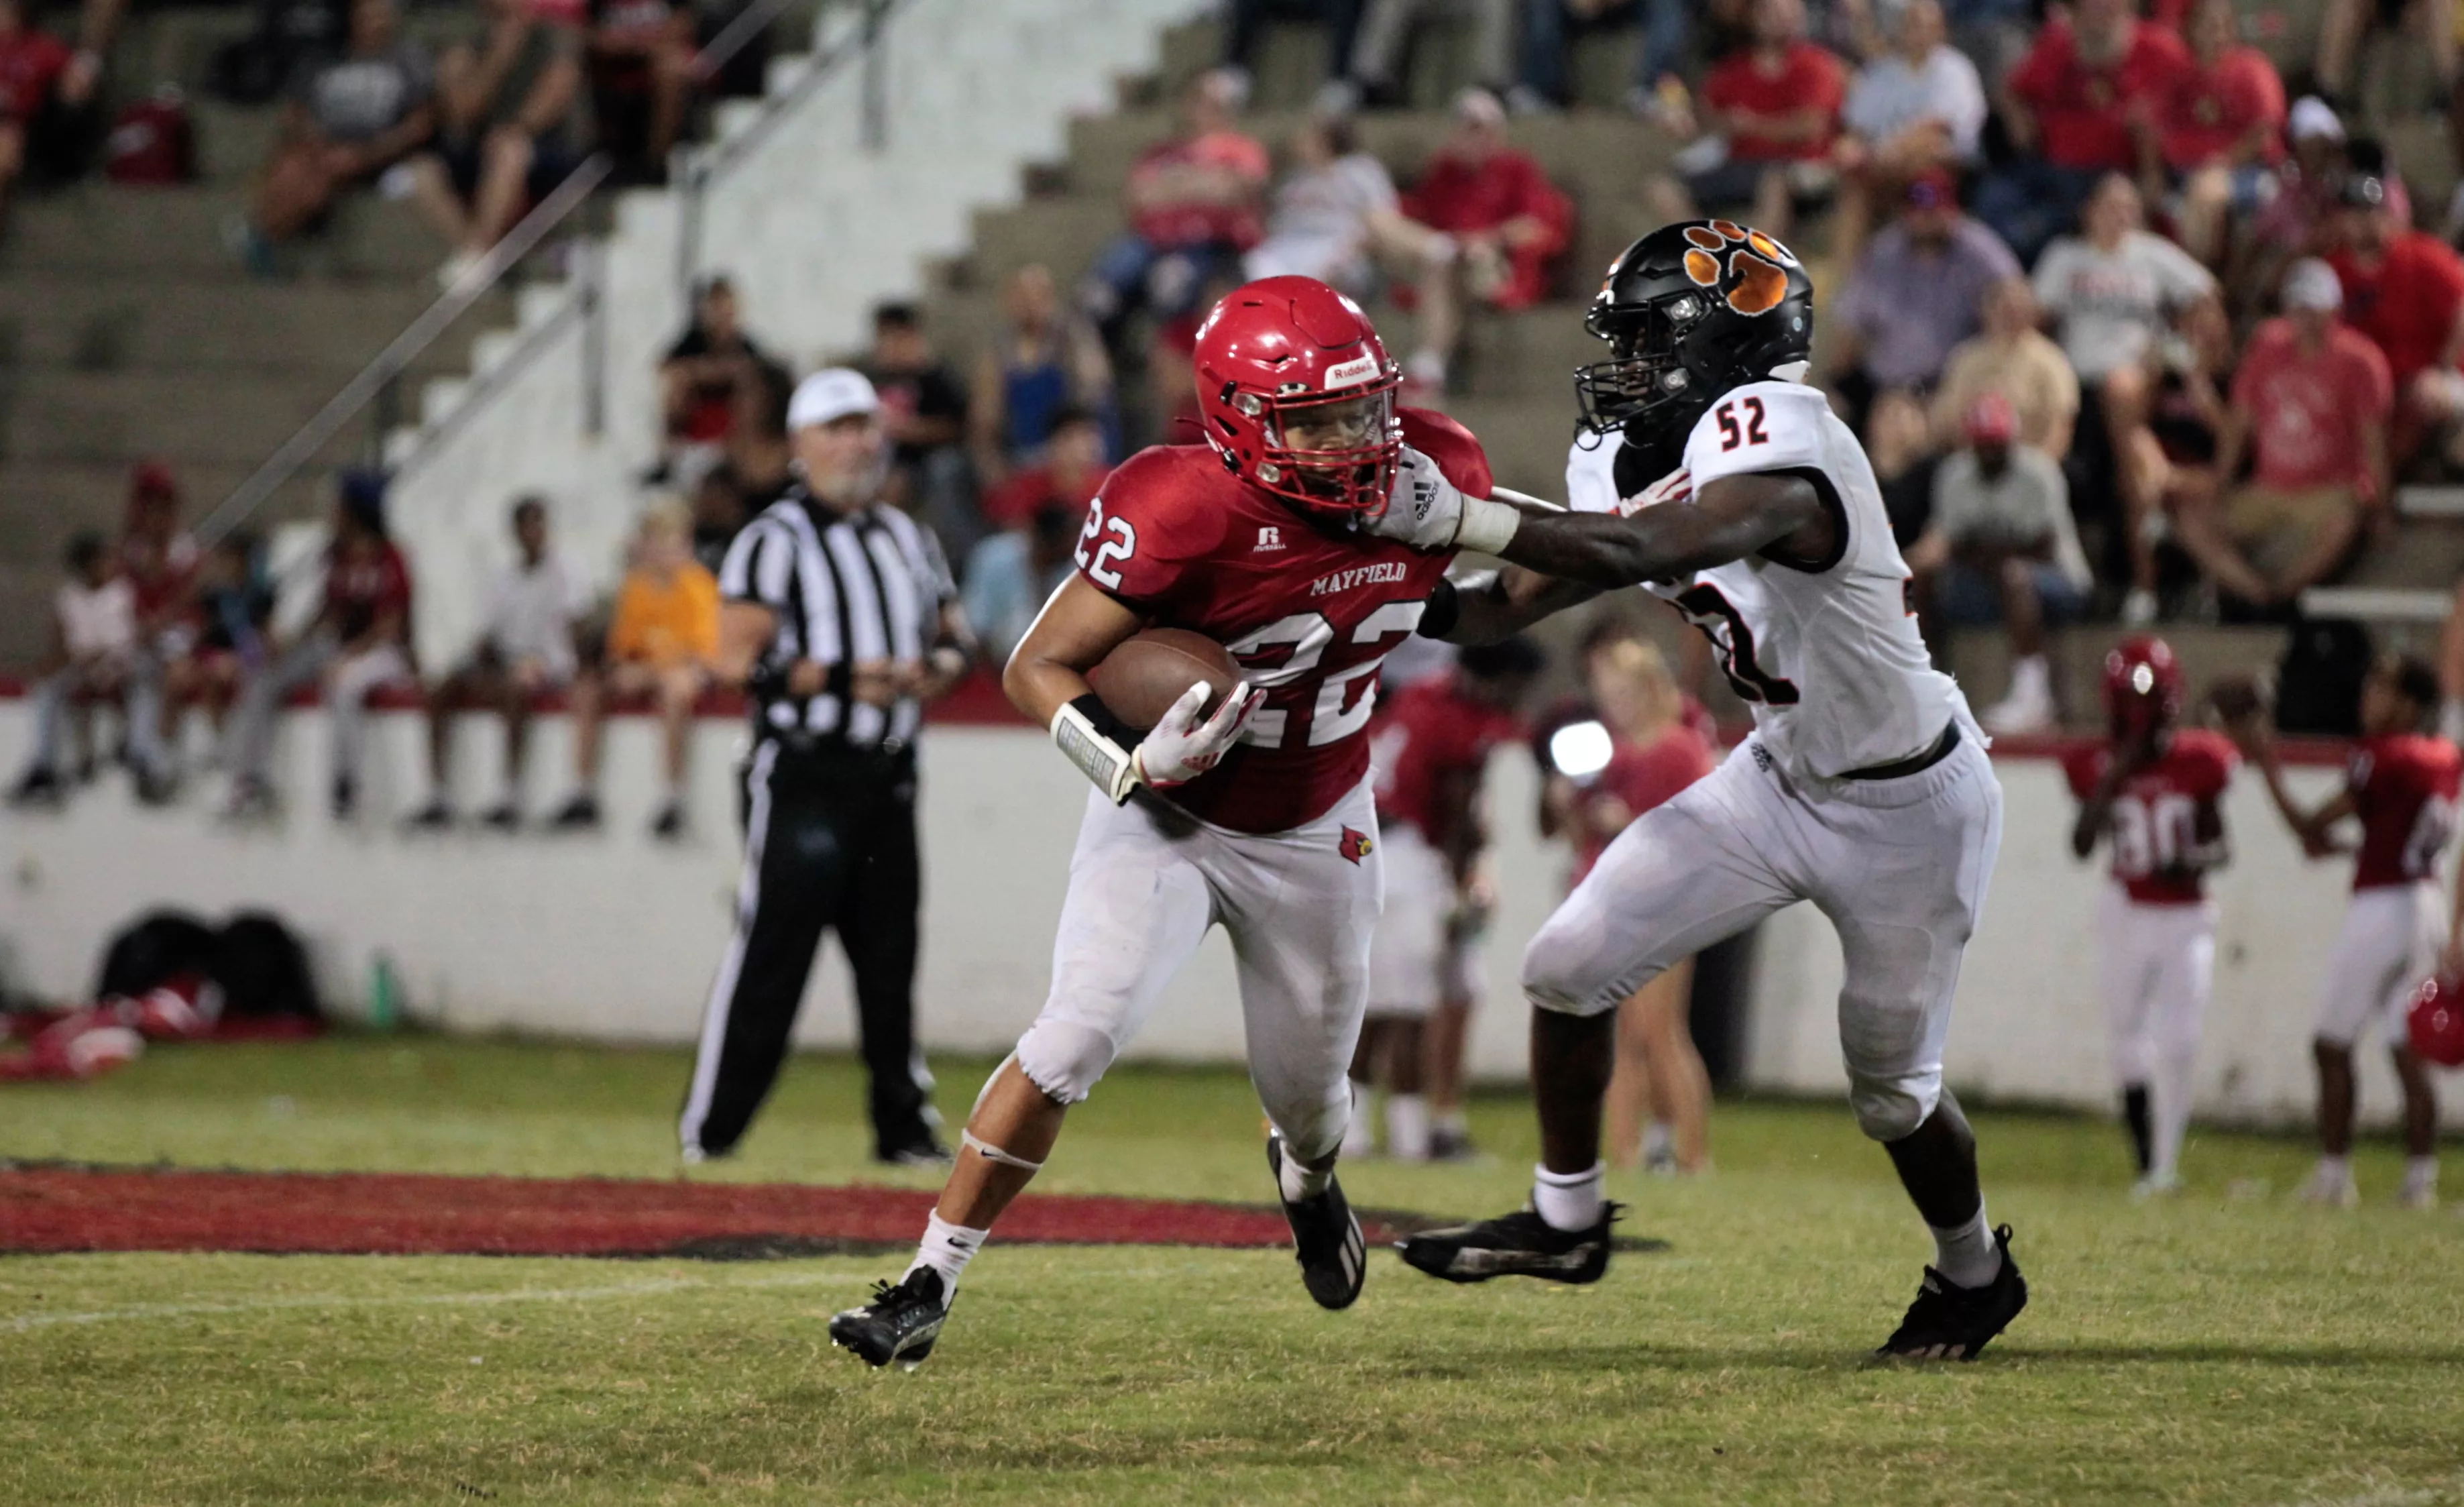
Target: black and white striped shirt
(846, 589)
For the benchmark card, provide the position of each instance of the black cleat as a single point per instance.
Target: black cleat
(1333, 1257)
(899, 1325)
(1950, 1322)
(578, 814)
(1449, 1144)
(1519, 1244)
(435, 816)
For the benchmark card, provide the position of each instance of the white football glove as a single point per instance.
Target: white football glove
(1675, 487)
(1182, 747)
(1427, 512)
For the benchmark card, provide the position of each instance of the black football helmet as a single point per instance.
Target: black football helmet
(1690, 311)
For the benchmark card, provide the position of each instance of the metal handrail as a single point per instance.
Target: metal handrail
(396, 358)
(703, 167)
(386, 367)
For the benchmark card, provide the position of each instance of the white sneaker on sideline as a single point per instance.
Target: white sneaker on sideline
(2330, 1188)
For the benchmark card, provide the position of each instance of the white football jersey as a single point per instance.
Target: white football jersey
(1826, 653)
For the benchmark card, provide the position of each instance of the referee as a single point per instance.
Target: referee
(840, 621)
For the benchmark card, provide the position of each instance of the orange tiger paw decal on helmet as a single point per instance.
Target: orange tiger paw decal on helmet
(1755, 280)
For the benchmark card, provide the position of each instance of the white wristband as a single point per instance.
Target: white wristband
(1486, 525)
(1113, 768)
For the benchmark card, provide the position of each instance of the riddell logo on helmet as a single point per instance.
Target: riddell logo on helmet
(1351, 373)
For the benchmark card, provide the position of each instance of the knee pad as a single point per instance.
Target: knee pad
(1890, 1109)
(1064, 1059)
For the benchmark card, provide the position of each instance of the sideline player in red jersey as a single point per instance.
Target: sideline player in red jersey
(1258, 816)
(2153, 793)
(2401, 785)
(1428, 747)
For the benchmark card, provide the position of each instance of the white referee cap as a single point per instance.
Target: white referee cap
(830, 394)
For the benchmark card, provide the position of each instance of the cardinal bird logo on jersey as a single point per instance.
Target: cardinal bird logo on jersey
(1356, 845)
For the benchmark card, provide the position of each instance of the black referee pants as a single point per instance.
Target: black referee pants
(830, 842)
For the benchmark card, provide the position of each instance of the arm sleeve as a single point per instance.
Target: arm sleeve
(1133, 548)
(760, 567)
(2178, 273)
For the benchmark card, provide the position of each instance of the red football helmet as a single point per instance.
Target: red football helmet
(1290, 353)
(2436, 1021)
(2142, 686)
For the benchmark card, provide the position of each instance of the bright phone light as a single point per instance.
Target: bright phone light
(1579, 749)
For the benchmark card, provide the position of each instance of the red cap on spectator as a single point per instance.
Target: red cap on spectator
(1933, 189)
(152, 481)
(1992, 420)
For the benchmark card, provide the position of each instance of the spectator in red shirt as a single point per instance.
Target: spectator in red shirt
(1072, 471)
(1652, 755)
(1193, 201)
(1770, 116)
(32, 65)
(1507, 221)
(358, 642)
(2076, 107)
(2404, 289)
(2310, 406)
(2219, 131)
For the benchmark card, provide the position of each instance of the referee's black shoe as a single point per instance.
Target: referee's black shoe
(1519, 1244)
(899, 1325)
(1950, 1322)
(1334, 1259)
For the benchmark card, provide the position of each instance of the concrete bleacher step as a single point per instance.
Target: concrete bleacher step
(2378, 604)
(159, 323)
(43, 504)
(1981, 659)
(184, 417)
(102, 231)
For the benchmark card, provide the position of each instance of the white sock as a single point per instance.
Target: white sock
(1407, 1127)
(947, 1249)
(2031, 675)
(1298, 1182)
(2170, 1114)
(1969, 1255)
(2421, 1174)
(1655, 1142)
(1359, 1139)
(2336, 1170)
(1567, 1200)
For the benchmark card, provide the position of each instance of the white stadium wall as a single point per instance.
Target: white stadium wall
(613, 935)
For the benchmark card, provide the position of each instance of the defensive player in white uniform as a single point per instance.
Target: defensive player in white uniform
(1729, 488)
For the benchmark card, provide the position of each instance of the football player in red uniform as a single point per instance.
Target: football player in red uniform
(2152, 792)
(1255, 814)
(1429, 747)
(2401, 784)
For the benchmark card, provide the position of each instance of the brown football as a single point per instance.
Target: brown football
(1140, 679)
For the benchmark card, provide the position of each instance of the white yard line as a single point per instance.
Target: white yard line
(24, 1322)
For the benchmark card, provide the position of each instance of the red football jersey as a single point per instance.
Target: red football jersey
(1424, 734)
(1307, 611)
(2404, 788)
(2155, 814)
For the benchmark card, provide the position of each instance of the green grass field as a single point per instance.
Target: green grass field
(2224, 1347)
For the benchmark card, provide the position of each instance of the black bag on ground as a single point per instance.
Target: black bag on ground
(160, 945)
(263, 970)
(2319, 686)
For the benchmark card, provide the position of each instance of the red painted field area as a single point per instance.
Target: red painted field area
(54, 1208)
